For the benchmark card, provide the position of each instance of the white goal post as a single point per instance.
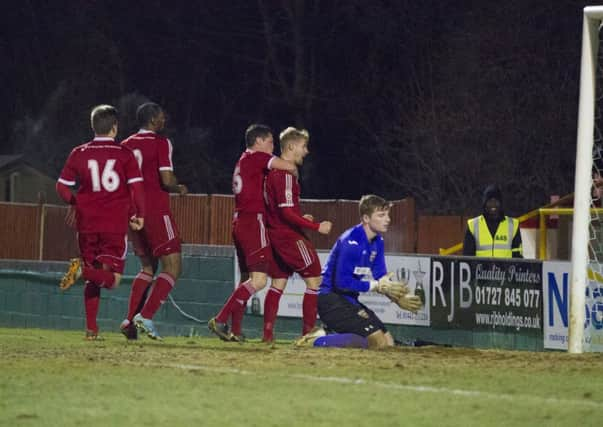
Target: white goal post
(593, 15)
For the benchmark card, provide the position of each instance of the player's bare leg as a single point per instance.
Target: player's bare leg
(258, 280)
(172, 264)
(390, 339)
(149, 264)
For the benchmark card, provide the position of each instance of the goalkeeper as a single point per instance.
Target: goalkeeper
(357, 264)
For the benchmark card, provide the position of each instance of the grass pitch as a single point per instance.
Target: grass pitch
(55, 378)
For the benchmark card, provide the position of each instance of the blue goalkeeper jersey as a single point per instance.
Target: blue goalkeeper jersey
(353, 263)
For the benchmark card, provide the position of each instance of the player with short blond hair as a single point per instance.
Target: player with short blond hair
(292, 250)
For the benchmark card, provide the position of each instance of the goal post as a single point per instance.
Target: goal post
(593, 15)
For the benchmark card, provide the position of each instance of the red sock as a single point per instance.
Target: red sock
(139, 286)
(270, 311)
(238, 299)
(309, 310)
(163, 286)
(237, 319)
(101, 278)
(91, 303)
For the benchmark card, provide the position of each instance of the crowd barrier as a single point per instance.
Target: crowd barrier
(469, 302)
(479, 302)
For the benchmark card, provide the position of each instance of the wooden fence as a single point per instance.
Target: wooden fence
(33, 231)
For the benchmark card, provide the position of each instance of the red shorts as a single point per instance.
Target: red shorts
(109, 249)
(252, 243)
(293, 253)
(158, 237)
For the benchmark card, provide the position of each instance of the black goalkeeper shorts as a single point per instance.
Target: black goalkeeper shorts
(341, 316)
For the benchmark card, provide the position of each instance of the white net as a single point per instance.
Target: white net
(595, 230)
(593, 321)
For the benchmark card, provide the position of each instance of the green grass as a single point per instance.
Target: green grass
(55, 378)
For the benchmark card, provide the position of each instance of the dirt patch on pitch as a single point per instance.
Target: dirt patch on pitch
(254, 356)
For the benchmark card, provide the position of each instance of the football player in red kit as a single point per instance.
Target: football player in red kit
(292, 250)
(249, 230)
(108, 180)
(159, 240)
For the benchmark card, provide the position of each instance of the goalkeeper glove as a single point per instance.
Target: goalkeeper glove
(392, 289)
(408, 302)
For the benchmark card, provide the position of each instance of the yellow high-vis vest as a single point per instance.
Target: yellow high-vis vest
(500, 245)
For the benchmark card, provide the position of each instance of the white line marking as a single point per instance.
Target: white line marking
(392, 386)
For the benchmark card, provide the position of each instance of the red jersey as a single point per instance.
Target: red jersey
(153, 153)
(248, 181)
(103, 170)
(282, 191)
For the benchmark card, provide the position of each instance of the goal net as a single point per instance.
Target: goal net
(586, 292)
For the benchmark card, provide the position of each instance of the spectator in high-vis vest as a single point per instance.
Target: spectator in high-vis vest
(492, 234)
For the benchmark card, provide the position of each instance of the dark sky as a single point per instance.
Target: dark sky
(430, 99)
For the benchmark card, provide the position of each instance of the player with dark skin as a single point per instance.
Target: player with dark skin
(159, 242)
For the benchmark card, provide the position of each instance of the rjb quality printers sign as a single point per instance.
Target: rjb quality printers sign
(481, 294)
